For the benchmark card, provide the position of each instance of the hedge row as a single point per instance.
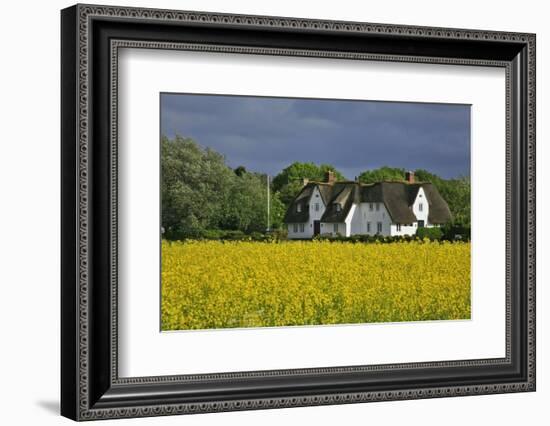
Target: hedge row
(449, 233)
(230, 235)
(370, 238)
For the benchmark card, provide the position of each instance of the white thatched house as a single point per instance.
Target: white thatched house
(351, 208)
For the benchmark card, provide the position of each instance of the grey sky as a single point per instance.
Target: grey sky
(268, 134)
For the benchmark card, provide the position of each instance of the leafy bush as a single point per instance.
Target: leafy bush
(212, 234)
(456, 231)
(235, 235)
(369, 238)
(433, 234)
(279, 234)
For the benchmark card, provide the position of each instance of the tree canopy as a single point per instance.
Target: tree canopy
(290, 180)
(298, 171)
(201, 193)
(383, 173)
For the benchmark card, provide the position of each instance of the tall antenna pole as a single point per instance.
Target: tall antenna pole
(268, 200)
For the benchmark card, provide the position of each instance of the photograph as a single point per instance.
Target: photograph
(279, 211)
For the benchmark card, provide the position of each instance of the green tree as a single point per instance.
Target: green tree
(246, 207)
(288, 192)
(241, 170)
(384, 173)
(195, 183)
(289, 181)
(298, 171)
(201, 194)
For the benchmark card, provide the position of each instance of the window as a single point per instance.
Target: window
(302, 227)
(336, 228)
(368, 227)
(398, 226)
(377, 206)
(379, 227)
(298, 208)
(420, 207)
(316, 207)
(295, 227)
(371, 207)
(338, 207)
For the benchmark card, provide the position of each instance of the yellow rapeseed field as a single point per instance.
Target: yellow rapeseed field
(215, 284)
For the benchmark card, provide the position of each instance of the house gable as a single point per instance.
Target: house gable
(298, 211)
(421, 206)
(439, 212)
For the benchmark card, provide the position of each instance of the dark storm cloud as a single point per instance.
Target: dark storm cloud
(267, 134)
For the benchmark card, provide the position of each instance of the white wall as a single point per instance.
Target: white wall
(363, 214)
(419, 201)
(294, 231)
(328, 228)
(316, 199)
(358, 224)
(29, 218)
(348, 220)
(405, 230)
(315, 214)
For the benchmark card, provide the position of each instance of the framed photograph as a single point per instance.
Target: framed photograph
(263, 212)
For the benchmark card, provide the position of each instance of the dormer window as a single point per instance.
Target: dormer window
(298, 208)
(338, 207)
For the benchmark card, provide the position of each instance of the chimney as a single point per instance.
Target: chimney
(409, 177)
(305, 181)
(329, 176)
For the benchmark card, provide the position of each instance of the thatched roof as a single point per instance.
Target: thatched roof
(398, 198)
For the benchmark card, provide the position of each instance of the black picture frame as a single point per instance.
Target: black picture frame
(90, 386)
